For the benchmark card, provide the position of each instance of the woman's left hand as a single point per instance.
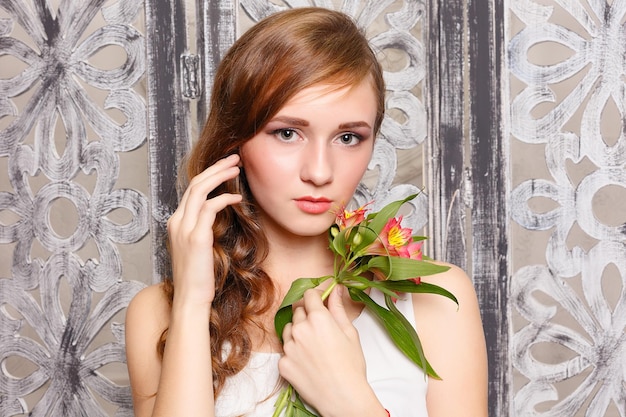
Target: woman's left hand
(323, 359)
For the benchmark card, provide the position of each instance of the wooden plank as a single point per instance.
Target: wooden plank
(489, 168)
(216, 32)
(446, 144)
(169, 115)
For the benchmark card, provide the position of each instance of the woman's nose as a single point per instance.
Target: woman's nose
(317, 164)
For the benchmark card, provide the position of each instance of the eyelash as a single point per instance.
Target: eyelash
(278, 133)
(353, 136)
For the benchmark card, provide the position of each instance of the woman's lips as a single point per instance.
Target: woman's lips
(313, 205)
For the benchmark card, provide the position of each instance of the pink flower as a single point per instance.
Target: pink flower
(347, 218)
(395, 240)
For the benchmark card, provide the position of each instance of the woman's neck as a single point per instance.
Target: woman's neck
(295, 257)
(289, 258)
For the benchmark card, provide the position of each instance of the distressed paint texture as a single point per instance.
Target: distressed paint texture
(489, 161)
(169, 117)
(467, 207)
(446, 142)
(467, 164)
(61, 344)
(216, 33)
(543, 294)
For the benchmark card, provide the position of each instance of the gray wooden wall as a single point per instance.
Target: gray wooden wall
(510, 113)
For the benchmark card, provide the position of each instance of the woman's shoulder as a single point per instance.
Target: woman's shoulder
(454, 280)
(441, 309)
(147, 316)
(453, 339)
(148, 310)
(150, 296)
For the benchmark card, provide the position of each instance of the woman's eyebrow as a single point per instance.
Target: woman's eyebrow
(351, 125)
(293, 121)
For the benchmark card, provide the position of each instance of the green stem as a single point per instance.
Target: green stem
(283, 400)
(326, 293)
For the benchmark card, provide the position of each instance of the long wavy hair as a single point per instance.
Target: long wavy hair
(275, 59)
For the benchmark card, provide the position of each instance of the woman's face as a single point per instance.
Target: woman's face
(309, 158)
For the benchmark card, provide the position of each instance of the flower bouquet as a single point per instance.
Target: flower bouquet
(371, 251)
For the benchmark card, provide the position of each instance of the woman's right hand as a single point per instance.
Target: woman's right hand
(180, 382)
(190, 231)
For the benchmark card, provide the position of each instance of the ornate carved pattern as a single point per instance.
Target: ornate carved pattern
(597, 351)
(401, 86)
(61, 344)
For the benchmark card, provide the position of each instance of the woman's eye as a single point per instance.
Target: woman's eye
(286, 134)
(349, 139)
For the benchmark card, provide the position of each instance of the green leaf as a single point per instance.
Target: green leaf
(301, 410)
(289, 401)
(362, 282)
(421, 288)
(378, 220)
(396, 329)
(282, 317)
(281, 401)
(396, 268)
(338, 243)
(391, 288)
(298, 288)
(295, 293)
(412, 333)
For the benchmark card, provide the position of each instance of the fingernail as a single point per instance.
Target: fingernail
(339, 289)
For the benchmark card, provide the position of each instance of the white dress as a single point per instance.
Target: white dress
(398, 383)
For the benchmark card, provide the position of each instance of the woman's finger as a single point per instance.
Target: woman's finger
(313, 300)
(287, 333)
(337, 308)
(221, 165)
(299, 315)
(207, 214)
(199, 190)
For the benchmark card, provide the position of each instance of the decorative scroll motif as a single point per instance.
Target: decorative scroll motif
(400, 86)
(598, 352)
(62, 349)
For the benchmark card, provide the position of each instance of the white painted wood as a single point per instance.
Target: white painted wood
(57, 305)
(564, 302)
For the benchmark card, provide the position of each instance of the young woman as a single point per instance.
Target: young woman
(296, 106)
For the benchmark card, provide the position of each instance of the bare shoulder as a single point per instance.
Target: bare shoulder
(443, 313)
(454, 280)
(435, 312)
(147, 317)
(148, 311)
(151, 297)
(454, 344)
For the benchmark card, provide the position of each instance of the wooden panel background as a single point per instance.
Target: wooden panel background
(567, 107)
(509, 112)
(73, 118)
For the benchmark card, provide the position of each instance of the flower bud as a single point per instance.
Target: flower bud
(357, 239)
